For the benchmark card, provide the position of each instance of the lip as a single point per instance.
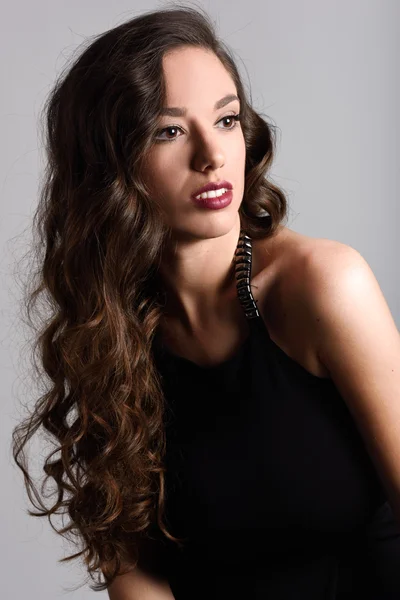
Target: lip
(215, 203)
(213, 185)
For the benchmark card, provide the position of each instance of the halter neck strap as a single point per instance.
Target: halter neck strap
(243, 261)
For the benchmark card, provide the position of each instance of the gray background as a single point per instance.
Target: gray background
(326, 73)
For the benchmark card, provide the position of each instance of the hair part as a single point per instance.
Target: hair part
(100, 238)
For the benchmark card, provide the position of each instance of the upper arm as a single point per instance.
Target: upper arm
(140, 584)
(358, 342)
(148, 580)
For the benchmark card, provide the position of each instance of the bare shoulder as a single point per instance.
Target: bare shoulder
(318, 274)
(314, 267)
(285, 259)
(330, 285)
(287, 249)
(297, 280)
(336, 299)
(302, 260)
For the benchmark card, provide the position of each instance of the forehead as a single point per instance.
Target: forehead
(195, 76)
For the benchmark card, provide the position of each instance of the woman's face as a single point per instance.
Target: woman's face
(200, 146)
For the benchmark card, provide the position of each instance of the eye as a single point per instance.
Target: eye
(172, 128)
(234, 119)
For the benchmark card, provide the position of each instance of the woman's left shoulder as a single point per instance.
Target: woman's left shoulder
(316, 276)
(316, 268)
(358, 342)
(303, 251)
(337, 288)
(323, 257)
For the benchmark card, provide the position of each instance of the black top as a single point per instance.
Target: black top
(269, 480)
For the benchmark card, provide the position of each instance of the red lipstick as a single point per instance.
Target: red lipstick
(217, 202)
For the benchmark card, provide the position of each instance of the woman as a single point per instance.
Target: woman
(224, 391)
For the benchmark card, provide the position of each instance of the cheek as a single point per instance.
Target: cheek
(166, 174)
(238, 150)
(238, 158)
(163, 174)
(158, 172)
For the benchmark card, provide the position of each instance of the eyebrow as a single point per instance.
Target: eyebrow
(175, 111)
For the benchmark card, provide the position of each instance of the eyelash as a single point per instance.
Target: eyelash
(236, 118)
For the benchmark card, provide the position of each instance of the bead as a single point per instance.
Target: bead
(243, 258)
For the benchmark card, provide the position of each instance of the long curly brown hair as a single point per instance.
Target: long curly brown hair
(98, 242)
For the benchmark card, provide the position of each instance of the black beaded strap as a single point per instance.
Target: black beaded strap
(243, 256)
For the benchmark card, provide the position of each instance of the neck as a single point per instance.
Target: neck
(198, 278)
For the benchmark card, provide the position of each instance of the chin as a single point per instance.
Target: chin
(209, 227)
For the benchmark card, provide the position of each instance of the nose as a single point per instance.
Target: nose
(208, 153)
